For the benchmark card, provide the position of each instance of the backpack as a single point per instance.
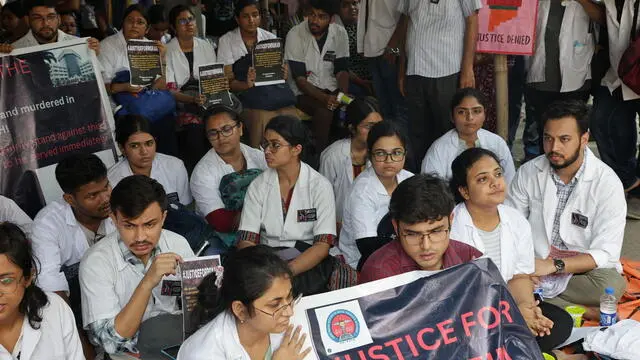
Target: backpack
(629, 66)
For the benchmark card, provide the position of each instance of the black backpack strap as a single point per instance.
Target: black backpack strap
(635, 20)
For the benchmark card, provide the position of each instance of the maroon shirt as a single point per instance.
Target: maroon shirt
(391, 260)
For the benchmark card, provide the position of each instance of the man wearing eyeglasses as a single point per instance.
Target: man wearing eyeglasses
(420, 211)
(318, 56)
(44, 22)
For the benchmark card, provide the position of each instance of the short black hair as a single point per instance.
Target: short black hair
(384, 129)
(175, 12)
(139, 8)
(156, 14)
(295, 132)
(461, 94)
(16, 9)
(359, 109)
(241, 4)
(576, 109)
(421, 198)
(135, 193)
(128, 125)
(328, 6)
(461, 165)
(28, 5)
(77, 170)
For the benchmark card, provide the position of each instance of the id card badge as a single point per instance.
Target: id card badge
(307, 215)
(579, 220)
(329, 56)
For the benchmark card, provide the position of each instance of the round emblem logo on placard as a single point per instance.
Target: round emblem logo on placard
(342, 325)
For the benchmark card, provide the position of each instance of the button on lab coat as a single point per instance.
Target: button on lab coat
(262, 211)
(516, 244)
(58, 239)
(56, 339)
(444, 150)
(598, 197)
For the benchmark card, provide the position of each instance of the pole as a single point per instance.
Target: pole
(502, 94)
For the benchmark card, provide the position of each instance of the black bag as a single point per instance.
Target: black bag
(315, 280)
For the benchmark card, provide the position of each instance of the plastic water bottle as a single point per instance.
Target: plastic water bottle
(608, 308)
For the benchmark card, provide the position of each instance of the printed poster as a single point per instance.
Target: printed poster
(144, 62)
(268, 57)
(507, 27)
(192, 272)
(214, 85)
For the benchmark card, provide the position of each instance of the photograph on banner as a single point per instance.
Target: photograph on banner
(507, 27)
(144, 62)
(53, 104)
(268, 57)
(464, 312)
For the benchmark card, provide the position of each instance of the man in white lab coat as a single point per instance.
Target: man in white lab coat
(576, 206)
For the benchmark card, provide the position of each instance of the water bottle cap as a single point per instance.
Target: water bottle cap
(608, 291)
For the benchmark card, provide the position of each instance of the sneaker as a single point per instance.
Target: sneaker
(633, 208)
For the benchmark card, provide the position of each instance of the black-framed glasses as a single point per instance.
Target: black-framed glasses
(282, 308)
(226, 131)
(416, 238)
(186, 21)
(9, 285)
(395, 155)
(273, 145)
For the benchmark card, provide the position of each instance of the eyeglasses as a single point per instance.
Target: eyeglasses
(276, 314)
(395, 155)
(9, 285)
(49, 18)
(138, 21)
(186, 21)
(417, 238)
(275, 146)
(226, 131)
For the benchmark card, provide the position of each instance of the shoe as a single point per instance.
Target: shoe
(633, 208)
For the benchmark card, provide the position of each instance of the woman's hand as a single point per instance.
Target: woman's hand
(537, 323)
(199, 99)
(162, 48)
(291, 346)
(251, 77)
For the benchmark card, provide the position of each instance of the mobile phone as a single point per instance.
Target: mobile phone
(171, 352)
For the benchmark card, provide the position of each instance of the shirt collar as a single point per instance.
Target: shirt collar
(131, 258)
(575, 179)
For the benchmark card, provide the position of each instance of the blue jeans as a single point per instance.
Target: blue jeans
(385, 83)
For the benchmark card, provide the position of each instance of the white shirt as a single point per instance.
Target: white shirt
(444, 150)
(219, 340)
(206, 177)
(56, 339)
(383, 19)
(231, 47)
(168, 170)
(113, 56)
(619, 40)
(29, 40)
(58, 239)
(598, 196)
(365, 206)
(262, 211)
(107, 281)
(575, 43)
(516, 244)
(302, 47)
(178, 65)
(11, 212)
(337, 167)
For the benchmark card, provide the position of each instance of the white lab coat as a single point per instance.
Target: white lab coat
(302, 47)
(383, 19)
(576, 46)
(444, 150)
(598, 196)
(11, 212)
(619, 41)
(206, 177)
(58, 239)
(29, 40)
(365, 206)
(219, 340)
(178, 65)
(168, 170)
(516, 244)
(231, 47)
(107, 281)
(113, 56)
(262, 211)
(56, 339)
(337, 167)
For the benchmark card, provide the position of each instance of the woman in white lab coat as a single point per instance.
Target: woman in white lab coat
(504, 235)
(368, 201)
(468, 110)
(34, 325)
(345, 159)
(291, 206)
(138, 146)
(185, 54)
(245, 308)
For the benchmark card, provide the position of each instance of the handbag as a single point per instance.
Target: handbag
(629, 66)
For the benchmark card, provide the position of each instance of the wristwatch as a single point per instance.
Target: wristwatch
(559, 264)
(393, 51)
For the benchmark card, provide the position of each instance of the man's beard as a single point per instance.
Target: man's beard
(570, 161)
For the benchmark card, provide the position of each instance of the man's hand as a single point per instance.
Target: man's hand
(163, 264)
(251, 77)
(537, 323)
(6, 48)
(467, 78)
(544, 267)
(331, 102)
(94, 45)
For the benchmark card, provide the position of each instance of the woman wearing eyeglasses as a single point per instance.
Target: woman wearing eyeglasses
(291, 206)
(138, 147)
(221, 202)
(504, 235)
(468, 111)
(185, 53)
(235, 50)
(34, 325)
(345, 159)
(246, 313)
(368, 201)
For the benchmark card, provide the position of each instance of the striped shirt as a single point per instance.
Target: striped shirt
(563, 191)
(491, 240)
(435, 35)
